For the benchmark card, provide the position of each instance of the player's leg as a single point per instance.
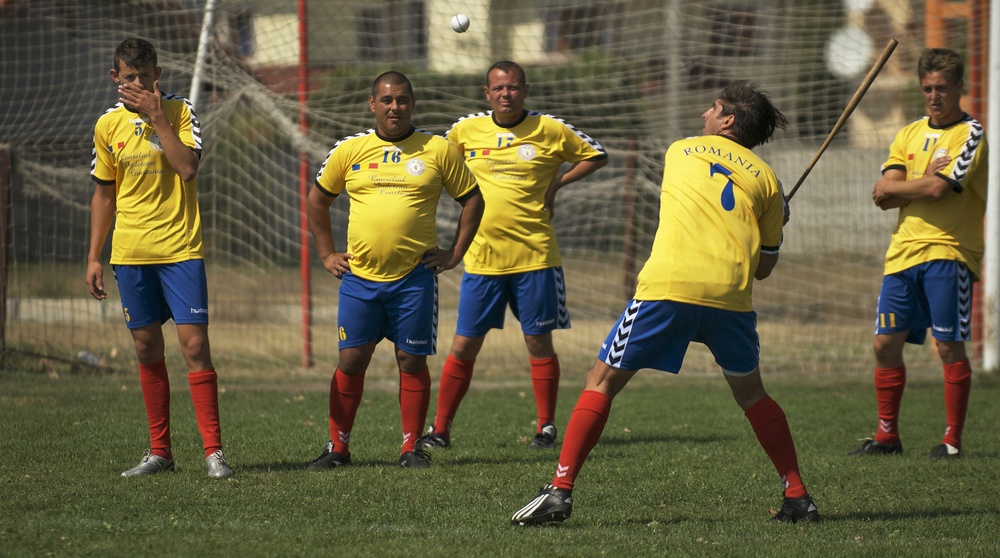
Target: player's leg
(361, 322)
(145, 311)
(538, 300)
(411, 306)
(732, 338)
(545, 373)
(901, 317)
(414, 400)
(949, 287)
(586, 424)
(770, 426)
(649, 334)
(482, 303)
(185, 289)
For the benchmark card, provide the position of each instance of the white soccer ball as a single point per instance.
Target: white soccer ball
(460, 23)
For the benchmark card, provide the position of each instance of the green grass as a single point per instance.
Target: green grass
(678, 472)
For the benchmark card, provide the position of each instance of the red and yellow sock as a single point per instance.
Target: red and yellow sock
(456, 376)
(545, 383)
(586, 424)
(345, 398)
(414, 398)
(771, 427)
(957, 386)
(889, 386)
(156, 395)
(205, 396)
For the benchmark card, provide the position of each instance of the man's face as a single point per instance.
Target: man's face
(506, 95)
(393, 108)
(144, 76)
(942, 98)
(713, 119)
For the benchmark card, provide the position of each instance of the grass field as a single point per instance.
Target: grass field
(678, 472)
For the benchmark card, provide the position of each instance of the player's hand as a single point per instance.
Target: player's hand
(143, 101)
(338, 263)
(95, 280)
(937, 164)
(550, 201)
(786, 211)
(438, 260)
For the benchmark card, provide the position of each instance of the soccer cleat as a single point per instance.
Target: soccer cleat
(416, 459)
(946, 451)
(217, 466)
(552, 505)
(329, 459)
(797, 509)
(434, 440)
(546, 438)
(150, 465)
(871, 447)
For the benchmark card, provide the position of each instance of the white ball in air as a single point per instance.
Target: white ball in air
(460, 23)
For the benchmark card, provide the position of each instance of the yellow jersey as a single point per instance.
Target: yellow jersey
(157, 219)
(950, 228)
(514, 166)
(720, 207)
(394, 188)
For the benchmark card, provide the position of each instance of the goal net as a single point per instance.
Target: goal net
(634, 75)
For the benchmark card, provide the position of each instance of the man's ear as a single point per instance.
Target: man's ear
(114, 75)
(728, 121)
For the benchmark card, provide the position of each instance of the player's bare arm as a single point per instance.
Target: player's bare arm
(318, 214)
(578, 171)
(893, 190)
(468, 223)
(182, 159)
(765, 266)
(102, 215)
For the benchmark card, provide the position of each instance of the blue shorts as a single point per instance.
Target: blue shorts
(404, 311)
(656, 334)
(935, 294)
(155, 293)
(536, 298)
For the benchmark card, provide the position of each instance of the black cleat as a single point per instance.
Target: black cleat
(946, 451)
(871, 447)
(798, 509)
(434, 440)
(416, 459)
(329, 459)
(546, 438)
(552, 505)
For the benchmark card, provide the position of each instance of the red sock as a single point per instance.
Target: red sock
(156, 395)
(456, 375)
(345, 398)
(889, 385)
(771, 427)
(545, 382)
(205, 395)
(586, 424)
(414, 398)
(957, 385)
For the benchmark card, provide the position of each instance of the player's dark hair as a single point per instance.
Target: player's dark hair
(507, 67)
(943, 61)
(756, 117)
(134, 53)
(392, 79)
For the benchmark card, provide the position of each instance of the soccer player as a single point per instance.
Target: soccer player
(146, 153)
(514, 260)
(721, 216)
(936, 176)
(393, 176)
